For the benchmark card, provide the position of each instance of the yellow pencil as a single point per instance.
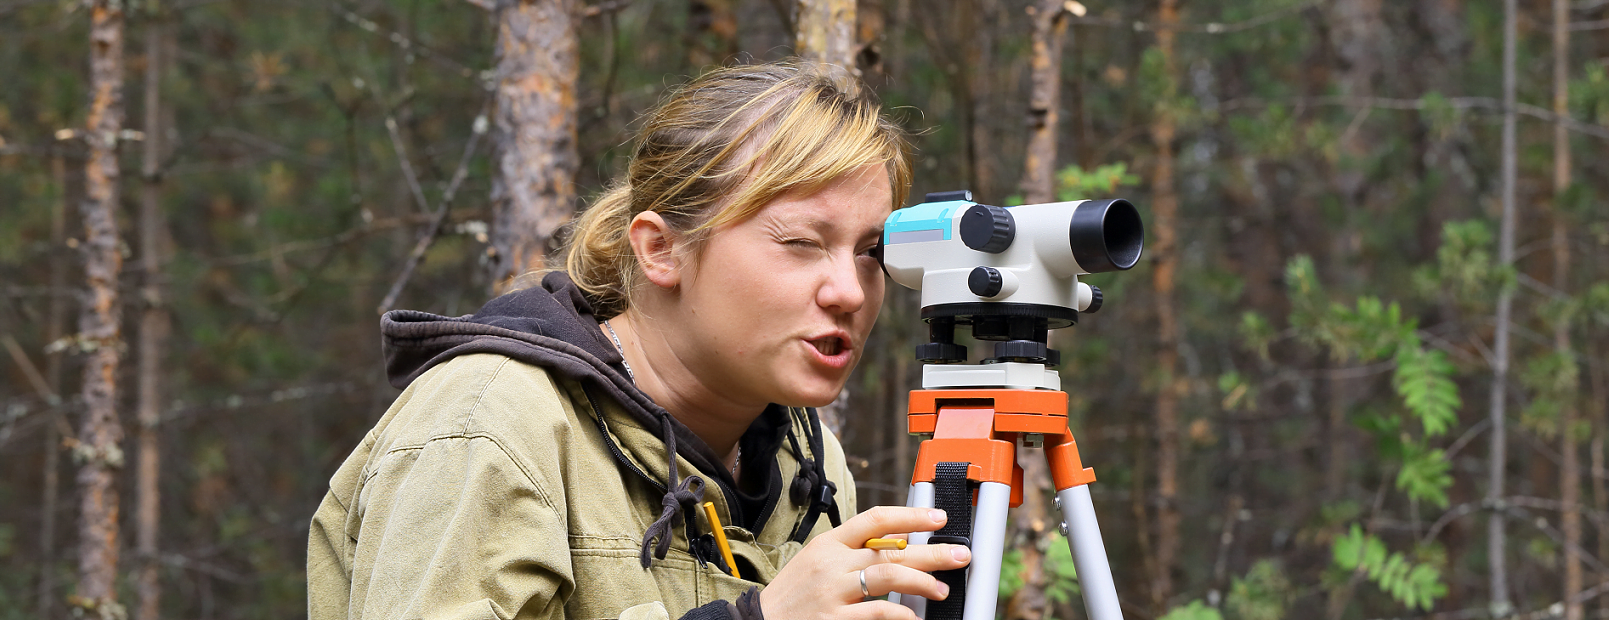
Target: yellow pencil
(720, 538)
(885, 544)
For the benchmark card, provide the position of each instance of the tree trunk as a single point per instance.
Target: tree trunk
(1044, 102)
(100, 436)
(1570, 467)
(153, 327)
(1496, 542)
(534, 130)
(1165, 209)
(711, 32)
(825, 31)
(55, 315)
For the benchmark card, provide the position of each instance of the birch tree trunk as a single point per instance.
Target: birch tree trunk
(825, 31)
(153, 326)
(534, 133)
(1570, 465)
(1044, 102)
(100, 437)
(1165, 209)
(1496, 540)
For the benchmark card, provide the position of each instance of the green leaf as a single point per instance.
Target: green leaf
(1425, 474)
(1416, 586)
(1261, 594)
(1424, 381)
(1196, 610)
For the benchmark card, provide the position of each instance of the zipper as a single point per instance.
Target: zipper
(620, 457)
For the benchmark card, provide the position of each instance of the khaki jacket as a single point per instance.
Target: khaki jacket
(490, 490)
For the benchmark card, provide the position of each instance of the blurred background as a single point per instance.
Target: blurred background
(1361, 371)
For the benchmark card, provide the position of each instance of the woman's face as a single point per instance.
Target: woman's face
(777, 308)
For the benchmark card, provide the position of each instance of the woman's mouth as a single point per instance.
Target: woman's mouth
(828, 346)
(832, 350)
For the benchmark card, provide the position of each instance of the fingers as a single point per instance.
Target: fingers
(878, 610)
(882, 579)
(884, 521)
(929, 557)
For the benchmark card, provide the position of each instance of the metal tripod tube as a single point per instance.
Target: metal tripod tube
(920, 496)
(988, 549)
(1089, 554)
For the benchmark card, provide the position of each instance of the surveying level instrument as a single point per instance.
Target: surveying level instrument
(1011, 276)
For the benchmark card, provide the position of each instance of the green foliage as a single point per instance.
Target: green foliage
(1552, 380)
(1466, 269)
(1589, 95)
(1196, 610)
(1261, 595)
(1440, 114)
(1424, 381)
(1075, 183)
(1256, 332)
(8, 539)
(1238, 393)
(1056, 561)
(1425, 474)
(1416, 585)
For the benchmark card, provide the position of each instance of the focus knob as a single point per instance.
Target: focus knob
(988, 228)
(985, 281)
(1095, 299)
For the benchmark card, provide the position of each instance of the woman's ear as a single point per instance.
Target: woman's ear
(655, 245)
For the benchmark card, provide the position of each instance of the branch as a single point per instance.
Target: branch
(407, 167)
(431, 231)
(1462, 103)
(30, 371)
(1205, 27)
(406, 44)
(488, 5)
(611, 6)
(1595, 25)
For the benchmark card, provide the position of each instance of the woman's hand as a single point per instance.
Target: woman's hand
(823, 582)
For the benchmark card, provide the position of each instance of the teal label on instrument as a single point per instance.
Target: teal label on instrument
(929, 221)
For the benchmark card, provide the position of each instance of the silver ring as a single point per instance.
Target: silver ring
(864, 591)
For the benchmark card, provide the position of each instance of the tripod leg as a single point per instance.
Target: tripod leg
(921, 496)
(1089, 553)
(988, 549)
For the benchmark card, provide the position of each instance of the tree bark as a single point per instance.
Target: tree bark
(534, 130)
(1044, 102)
(824, 30)
(101, 434)
(154, 327)
(1165, 209)
(1570, 465)
(1496, 539)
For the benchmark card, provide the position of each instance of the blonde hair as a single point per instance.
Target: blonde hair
(718, 149)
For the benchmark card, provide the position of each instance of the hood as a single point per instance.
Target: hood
(550, 325)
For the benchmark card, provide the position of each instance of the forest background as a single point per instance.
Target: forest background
(1361, 371)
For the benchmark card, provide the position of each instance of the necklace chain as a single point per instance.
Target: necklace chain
(622, 350)
(616, 337)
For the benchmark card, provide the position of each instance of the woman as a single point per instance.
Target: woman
(549, 452)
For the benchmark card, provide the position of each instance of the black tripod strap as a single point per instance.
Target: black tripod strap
(953, 495)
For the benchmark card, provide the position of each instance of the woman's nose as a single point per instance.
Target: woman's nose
(842, 290)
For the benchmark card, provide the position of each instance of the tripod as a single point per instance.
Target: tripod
(1011, 276)
(972, 436)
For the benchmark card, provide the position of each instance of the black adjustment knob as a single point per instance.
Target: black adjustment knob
(1022, 351)
(941, 353)
(1095, 299)
(985, 281)
(988, 228)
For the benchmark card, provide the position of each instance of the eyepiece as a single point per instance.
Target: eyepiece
(1106, 235)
